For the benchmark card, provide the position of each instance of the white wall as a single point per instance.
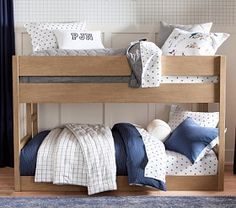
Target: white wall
(124, 13)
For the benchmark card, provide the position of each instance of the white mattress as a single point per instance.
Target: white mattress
(178, 164)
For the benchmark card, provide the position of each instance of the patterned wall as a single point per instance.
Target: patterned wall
(126, 11)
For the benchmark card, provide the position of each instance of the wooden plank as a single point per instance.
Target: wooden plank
(35, 118)
(118, 93)
(28, 119)
(114, 66)
(74, 66)
(221, 153)
(181, 183)
(16, 123)
(24, 140)
(190, 65)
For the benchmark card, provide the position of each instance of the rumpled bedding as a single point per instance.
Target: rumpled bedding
(136, 153)
(78, 155)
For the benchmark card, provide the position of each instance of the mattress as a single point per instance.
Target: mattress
(110, 79)
(177, 164)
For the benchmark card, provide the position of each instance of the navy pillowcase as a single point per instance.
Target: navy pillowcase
(190, 139)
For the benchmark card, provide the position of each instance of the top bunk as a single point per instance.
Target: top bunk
(105, 79)
(116, 66)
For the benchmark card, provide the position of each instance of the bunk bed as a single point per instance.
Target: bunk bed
(35, 93)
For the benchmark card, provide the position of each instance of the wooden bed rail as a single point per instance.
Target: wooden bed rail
(114, 66)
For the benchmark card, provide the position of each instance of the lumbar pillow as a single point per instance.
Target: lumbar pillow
(191, 140)
(159, 129)
(183, 43)
(79, 40)
(205, 119)
(166, 29)
(42, 36)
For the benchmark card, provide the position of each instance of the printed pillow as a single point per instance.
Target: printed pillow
(166, 29)
(78, 40)
(42, 36)
(191, 140)
(205, 119)
(183, 43)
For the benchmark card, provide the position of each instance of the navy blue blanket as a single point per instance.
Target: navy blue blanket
(131, 157)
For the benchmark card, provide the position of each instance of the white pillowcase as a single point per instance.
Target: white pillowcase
(166, 29)
(42, 36)
(184, 43)
(205, 119)
(78, 40)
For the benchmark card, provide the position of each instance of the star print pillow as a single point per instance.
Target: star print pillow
(42, 35)
(184, 43)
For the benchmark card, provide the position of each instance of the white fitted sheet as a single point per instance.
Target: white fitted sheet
(178, 164)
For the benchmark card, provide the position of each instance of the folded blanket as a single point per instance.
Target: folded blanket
(78, 155)
(135, 156)
(145, 61)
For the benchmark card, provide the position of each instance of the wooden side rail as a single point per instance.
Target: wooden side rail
(114, 66)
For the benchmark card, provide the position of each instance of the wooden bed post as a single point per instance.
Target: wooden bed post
(222, 106)
(32, 120)
(16, 117)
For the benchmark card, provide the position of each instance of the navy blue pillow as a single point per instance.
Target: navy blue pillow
(190, 139)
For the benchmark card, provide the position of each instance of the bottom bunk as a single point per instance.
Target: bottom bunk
(181, 174)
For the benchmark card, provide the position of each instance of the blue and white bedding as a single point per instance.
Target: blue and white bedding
(135, 157)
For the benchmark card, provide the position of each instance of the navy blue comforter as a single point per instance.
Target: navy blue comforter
(131, 157)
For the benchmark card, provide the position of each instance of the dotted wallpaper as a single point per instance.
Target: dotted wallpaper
(126, 11)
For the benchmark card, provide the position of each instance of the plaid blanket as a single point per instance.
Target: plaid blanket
(78, 155)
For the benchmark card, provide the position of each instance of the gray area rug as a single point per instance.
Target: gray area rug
(115, 202)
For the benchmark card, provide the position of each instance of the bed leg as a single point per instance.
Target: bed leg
(16, 125)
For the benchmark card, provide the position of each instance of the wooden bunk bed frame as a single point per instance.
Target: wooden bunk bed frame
(34, 93)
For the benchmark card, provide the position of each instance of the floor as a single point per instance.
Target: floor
(7, 187)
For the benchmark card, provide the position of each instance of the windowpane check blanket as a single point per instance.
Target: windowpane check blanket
(78, 155)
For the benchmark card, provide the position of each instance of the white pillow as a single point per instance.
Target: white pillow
(205, 119)
(159, 129)
(183, 43)
(166, 29)
(42, 36)
(78, 40)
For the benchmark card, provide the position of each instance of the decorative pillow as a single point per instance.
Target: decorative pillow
(42, 36)
(183, 43)
(204, 119)
(191, 140)
(159, 129)
(166, 29)
(79, 40)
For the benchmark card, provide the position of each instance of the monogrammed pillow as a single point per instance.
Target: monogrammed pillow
(42, 36)
(78, 40)
(183, 43)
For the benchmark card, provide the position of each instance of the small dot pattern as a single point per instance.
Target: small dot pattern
(42, 35)
(178, 164)
(155, 150)
(151, 64)
(205, 119)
